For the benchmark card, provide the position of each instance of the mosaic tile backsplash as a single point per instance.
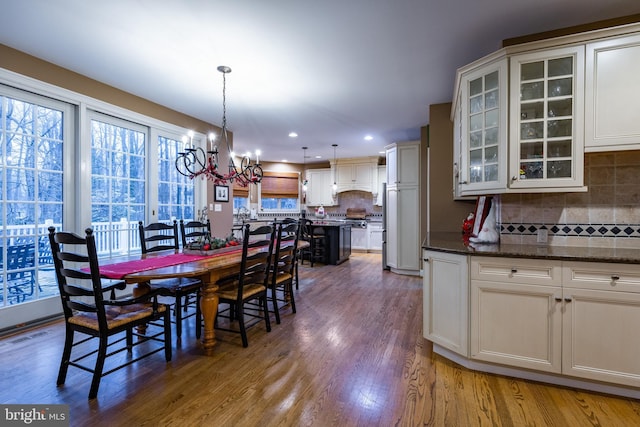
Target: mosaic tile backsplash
(607, 215)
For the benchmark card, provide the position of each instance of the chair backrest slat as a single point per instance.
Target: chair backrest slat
(158, 232)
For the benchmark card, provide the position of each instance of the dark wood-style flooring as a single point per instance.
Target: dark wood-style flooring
(353, 355)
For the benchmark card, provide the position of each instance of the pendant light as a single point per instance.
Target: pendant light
(335, 168)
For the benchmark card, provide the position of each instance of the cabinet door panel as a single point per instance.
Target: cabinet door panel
(611, 94)
(517, 327)
(546, 119)
(601, 337)
(446, 307)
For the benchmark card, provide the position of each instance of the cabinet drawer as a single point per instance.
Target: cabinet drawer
(517, 270)
(602, 276)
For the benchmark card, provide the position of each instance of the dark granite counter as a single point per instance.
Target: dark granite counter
(452, 243)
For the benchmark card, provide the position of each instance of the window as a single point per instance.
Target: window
(117, 184)
(279, 191)
(32, 137)
(175, 191)
(48, 173)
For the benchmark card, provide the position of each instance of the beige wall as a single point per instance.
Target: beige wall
(445, 213)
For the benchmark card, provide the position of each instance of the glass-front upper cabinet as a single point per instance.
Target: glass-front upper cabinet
(482, 161)
(546, 119)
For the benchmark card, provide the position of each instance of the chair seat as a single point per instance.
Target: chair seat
(116, 315)
(170, 287)
(230, 292)
(283, 277)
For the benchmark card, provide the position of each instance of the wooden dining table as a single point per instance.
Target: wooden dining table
(208, 268)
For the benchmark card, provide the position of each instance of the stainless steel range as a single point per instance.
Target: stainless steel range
(355, 223)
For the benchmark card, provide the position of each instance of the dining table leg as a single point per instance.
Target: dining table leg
(209, 308)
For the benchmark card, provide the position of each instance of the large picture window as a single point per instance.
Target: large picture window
(117, 184)
(176, 192)
(32, 137)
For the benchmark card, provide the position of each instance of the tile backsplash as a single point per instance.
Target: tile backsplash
(352, 199)
(608, 214)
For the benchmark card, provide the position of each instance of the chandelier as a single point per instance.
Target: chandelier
(194, 161)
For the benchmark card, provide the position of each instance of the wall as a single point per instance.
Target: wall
(607, 215)
(445, 214)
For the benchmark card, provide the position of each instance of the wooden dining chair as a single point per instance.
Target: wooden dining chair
(89, 312)
(283, 267)
(193, 230)
(245, 294)
(185, 291)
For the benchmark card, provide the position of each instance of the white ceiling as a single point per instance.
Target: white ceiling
(330, 70)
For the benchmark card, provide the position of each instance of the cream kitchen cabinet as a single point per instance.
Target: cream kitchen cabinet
(601, 338)
(515, 315)
(356, 174)
(403, 207)
(573, 318)
(319, 187)
(359, 239)
(612, 94)
(375, 236)
(480, 130)
(446, 300)
(546, 119)
(403, 164)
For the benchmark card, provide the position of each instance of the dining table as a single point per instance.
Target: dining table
(208, 266)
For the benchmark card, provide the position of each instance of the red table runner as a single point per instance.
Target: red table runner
(121, 269)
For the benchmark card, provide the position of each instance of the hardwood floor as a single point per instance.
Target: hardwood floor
(353, 355)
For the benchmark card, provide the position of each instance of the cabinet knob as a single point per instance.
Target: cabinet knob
(514, 178)
(463, 183)
(568, 299)
(615, 277)
(425, 259)
(514, 270)
(558, 299)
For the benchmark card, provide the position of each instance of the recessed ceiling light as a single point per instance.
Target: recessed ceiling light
(382, 152)
(318, 157)
(284, 160)
(292, 135)
(368, 138)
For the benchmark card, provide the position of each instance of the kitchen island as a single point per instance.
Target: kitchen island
(556, 314)
(337, 240)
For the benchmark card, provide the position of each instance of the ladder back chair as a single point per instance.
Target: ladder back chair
(180, 288)
(87, 311)
(193, 230)
(245, 294)
(283, 267)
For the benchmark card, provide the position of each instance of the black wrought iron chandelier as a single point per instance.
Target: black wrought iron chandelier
(194, 161)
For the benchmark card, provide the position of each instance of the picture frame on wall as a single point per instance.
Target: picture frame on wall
(221, 193)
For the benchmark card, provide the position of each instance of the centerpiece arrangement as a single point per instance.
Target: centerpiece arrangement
(209, 245)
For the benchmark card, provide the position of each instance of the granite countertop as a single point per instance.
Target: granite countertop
(452, 243)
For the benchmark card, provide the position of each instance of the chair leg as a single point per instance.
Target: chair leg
(129, 340)
(167, 335)
(243, 329)
(178, 313)
(274, 298)
(97, 372)
(292, 300)
(66, 357)
(266, 313)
